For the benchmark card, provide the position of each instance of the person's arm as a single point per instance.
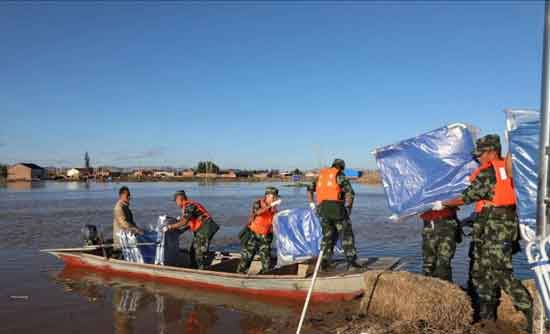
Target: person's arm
(258, 210)
(123, 224)
(184, 220)
(482, 188)
(311, 190)
(347, 190)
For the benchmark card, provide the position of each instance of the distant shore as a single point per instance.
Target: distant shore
(301, 183)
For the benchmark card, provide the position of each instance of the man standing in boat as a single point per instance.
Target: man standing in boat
(439, 238)
(334, 203)
(260, 231)
(195, 217)
(492, 190)
(123, 219)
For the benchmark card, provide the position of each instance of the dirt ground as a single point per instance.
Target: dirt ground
(401, 302)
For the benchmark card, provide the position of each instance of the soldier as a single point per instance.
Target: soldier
(439, 238)
(260, 231)
(123, 219)
(195, 217)
(334, 203)
(491, 187)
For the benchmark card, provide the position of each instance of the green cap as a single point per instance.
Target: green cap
(179, 193)
(339, 163)
(272, 190)
(487, 143)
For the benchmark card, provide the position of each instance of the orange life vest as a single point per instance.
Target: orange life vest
(262, 224)
(196, 222)
(327, 187)
(504, 190)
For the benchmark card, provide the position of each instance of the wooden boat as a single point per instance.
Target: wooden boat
(289, 282)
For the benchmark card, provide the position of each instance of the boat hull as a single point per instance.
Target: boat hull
(332, 288)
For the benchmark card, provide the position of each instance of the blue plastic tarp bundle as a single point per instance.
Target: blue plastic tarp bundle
(298, 235)
(431, 167)
(523, 139)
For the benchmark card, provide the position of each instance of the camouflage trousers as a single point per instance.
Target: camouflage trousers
(334, 229)
(257, 244)
(198, 251)
(438, 248)
(493, 269)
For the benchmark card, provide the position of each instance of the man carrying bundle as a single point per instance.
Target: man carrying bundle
(123, 219)
(334, 203)
(497, 231)
(195, 217)
(259, 233)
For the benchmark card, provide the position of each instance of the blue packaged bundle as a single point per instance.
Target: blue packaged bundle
(523, 128)
(298, 235)
(422, 170)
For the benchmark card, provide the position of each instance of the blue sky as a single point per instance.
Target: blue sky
(255, 84)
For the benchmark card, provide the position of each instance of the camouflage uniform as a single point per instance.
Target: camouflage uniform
(495, 231)
(256, 244)
(201, 238)
(334, 229)
(439, 246)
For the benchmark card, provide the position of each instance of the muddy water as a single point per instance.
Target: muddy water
(38, 295)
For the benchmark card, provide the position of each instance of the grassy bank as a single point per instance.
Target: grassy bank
(402, 302)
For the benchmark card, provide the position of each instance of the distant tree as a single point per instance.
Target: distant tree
(207, 167)
(3, 171)
(297, 172)
(87, 161)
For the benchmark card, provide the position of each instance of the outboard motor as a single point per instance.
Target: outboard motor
(90, 235)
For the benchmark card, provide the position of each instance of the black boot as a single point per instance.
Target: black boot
(529, 316)
(487, 312)
(353, 265)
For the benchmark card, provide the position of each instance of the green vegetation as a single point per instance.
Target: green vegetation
(207, 167)
(3, 171)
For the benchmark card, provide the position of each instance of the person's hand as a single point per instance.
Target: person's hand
(437, 206)
(276, 203)
(312, 205)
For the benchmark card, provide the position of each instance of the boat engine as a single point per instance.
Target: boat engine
(90, 235)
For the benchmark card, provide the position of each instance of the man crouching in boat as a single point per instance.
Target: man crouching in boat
(195, 217)
(259, 234)
(123, 219)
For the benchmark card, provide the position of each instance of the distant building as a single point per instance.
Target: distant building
(261, 175)
(228, 174)
(311, 174)
(26, 172)
(285, 174)
(164, 173)
(79, 173)
(187, 173)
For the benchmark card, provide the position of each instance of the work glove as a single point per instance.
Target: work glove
(312, 205)
(437, 206)
(276, 203)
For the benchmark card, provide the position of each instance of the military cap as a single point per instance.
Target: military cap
(179, 193)
(487, 143)
(272, 190)
(339, 163)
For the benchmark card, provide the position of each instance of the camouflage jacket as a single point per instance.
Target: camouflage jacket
(347, 194)
(482, 188)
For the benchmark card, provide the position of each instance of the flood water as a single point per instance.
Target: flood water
(38, 295)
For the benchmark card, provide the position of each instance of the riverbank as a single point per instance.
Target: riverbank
(402, 302)
(302, 183)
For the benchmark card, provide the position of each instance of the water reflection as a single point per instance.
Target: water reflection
(25, 185)
(172, 309)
